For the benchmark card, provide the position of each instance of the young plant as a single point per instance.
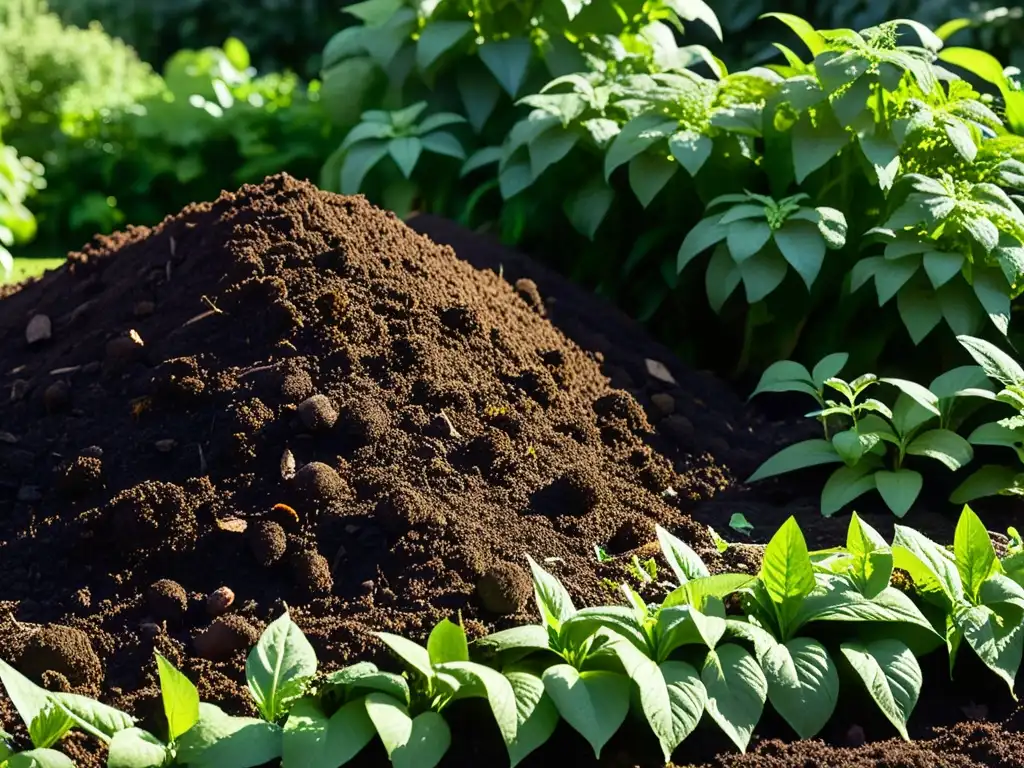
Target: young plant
(874, 434)
(968, 588)
(791, 600)
(441, 673)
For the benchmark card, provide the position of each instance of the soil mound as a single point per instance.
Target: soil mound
(291, 394)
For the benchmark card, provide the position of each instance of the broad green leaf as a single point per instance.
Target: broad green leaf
(882, 151)
(899, 489)
(863, 271)
(98, 720)
(367, 132)
(585, 623)
(932, 567)
(984, 65)
(45, 720)
(684, 562)
(587, 207)
(537, 716)
(279, 667)
(743, 211)
(942, 445)
(919, 310)
(405, 151)
(529, 637)
(690, 149)
(994, 362)
(786, 570)
(746, 237)
(374, 13)
(849, 446)
(180, 698)
(872, 557)
(787, 376)
(548, 148)
(690, 10)
(218, 740)
(359, 160)
(989, 480)
(803, 684)
(508, 61)
(437, 38)
(443, 143)
(891, 276)
(366, 677)
(705, 234)
(808, 453)
(595, 703)
(414, 655)
(553, 601)
(447, 642)
(845, 485)
(892, 676)
(313, 740)
(839, 599)
(922, 395)
(411, 742)
(762, 273)
(39, 758)
(49, 726)
(721, 278)
(479, 92)
(648, 175)
(838, 70)
(636, 136)
(808, 35)
(941, 267)
(803, 247)
(997, 636)
(992, 291)
(975, 555)
(514, 178)
(816, 141)
(481, 158)
(136, 748)
(480, 681)
(736, 689)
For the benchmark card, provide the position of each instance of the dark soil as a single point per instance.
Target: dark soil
(291, 395)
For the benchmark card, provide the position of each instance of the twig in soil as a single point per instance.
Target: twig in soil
(167, 270)
(174, 245)
(197, 318)
(257, 369)
(211, 305)
(62, 371)
(202, 460)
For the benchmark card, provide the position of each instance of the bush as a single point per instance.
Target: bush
(20, 178)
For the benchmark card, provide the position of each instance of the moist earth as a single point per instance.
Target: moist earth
(289, 399)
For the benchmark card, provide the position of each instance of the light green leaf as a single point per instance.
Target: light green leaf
(997, 636)
(411, 742)
(736, 689)
(872, 557)
(588, 206)
(803, 684)
(637, 135)
(39, 758)
(808, 453)
(921, 395)
(786, 571)
(359, 160)
(180, 698)
(447, 642)
(648, 175)
(989, 480)
(691, 10)
(942, 445)
(984, 65)
(529, 637)
(537, 716)
(705, 234)
(548, 148)
(437, 38)
(993, 361)
(279, 667)
(808, 35)
(98, 720)
(846, 484)
(933, 568)
(508, 61)
(46, 722)
(476, 680)
(839, 599)
(975, 555)
(553, 601)
(365, 676)
(218, 740)
(684, 562)
(892, 676)
(136, 748)
(691, 149)
(595, 703)
(312, 740)
(899, 489)
(414, 655)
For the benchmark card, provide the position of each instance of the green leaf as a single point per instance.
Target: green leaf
(808, 35)
(587, 207)
(899, 489)
(882, 151)
(736, 689)
(829, 367)
(548, 148)
(180, 698)
(39, 758)
(786, 570)
(803, 684)
(932, 567)
(136, 748)
(480, 158)
(993, 292)
(476, 680)
(595, 703)
(443, 143)
(747, 237)
(993, 361)
(365, 676)
(359, 160)
(411, 742)
(537, 716)
(508, 61)
(846, 484)
(218, 740)
(684, 562)
(367, 132)
(984, 65)
(892, 676)
(279, 667)
(648, 175)
(374, 13)
(553, 601)
(479, 93)
(415, 656)
(787, 376)
(438, 37)
(996, 636)
(890, 276)
(529, 637)
(920, 311)
(313, 740)
(705, 234)
(921, 395)
(636, 136)
(815, 144)
(808, 453)
(447, 642)
(98, 720)
(872, 557)
(690, 10)
(761, 273)
(405, 151)
(46, 722)
(941, 267)
(989, 480)
(691, 149)
(514, 178)
(839, 599)
(850, 446)
(942, 445)
(721, 278)
(743, 211)
(975, 555)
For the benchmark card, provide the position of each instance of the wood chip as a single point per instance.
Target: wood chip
(232, 524)
(39, 328)
(659, 371)
(287, 465)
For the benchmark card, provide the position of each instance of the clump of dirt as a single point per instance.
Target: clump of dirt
(60, 650)
(320, 409)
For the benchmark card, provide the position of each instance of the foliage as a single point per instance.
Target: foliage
(807, 622)
(800, 180)
(20, 178)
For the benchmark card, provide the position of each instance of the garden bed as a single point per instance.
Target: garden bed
(290, 395)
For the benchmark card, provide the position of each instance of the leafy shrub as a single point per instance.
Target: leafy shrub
(805, 617)
(20, 178)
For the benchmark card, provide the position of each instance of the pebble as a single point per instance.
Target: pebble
(39, 329)
(663, 403)
(57, 396)
(165, 446)
(19, 388)
(679, 428)
(659, 371)
(218, 601)
(144, 308)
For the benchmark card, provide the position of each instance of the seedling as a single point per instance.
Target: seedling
(739, 523)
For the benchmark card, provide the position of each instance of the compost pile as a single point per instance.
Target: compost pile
(287, 399)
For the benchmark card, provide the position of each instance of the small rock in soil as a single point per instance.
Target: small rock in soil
(38, 329)
(317, 413)
(319, 482)
(504, 588)
(312, 573)
(65, 650)
(224, 637)
(143, 308)
(19, 388)
(167, 600)
(219, 601)
(166, 445)
(679, 428)
(663, 403)
(57, 397)
(268, 542)
(528, 292)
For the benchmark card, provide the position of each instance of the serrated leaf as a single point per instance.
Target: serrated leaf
(892, 676)
(736, 689)
(46, 722)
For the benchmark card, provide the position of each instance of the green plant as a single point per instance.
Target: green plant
(20, 178)
(974, 598)
(875, 440)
